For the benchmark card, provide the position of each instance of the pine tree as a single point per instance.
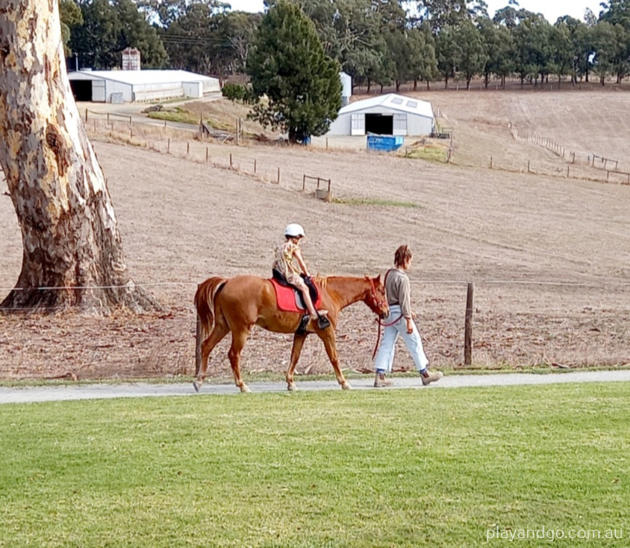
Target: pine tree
(298, 86)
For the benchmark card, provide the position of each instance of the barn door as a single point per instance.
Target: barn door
(98, 91)
(358, 124)
(400, 123)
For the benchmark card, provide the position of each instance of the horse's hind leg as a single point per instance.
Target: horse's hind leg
(238, 342)
(298, 343)
(218, 332)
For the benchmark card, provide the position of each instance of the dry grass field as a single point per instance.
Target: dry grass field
(549, 256)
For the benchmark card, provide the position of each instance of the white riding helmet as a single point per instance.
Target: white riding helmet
(294, 230)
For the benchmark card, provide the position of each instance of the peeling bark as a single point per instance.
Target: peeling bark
(70, 235)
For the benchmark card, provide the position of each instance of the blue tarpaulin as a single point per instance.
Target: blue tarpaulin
(385, 142)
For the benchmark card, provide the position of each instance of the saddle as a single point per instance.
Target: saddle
(289, 297)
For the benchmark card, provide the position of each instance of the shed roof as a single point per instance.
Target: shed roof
(392, 101)
(134, 77)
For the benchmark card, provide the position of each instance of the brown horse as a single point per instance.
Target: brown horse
(237, 304)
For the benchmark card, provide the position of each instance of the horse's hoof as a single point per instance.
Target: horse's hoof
(291, 387)
(196, 386)
(346, 386)
(245, 388)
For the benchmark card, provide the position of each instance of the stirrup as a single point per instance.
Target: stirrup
(301, 330)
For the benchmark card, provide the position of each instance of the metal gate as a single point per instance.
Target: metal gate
(358, 124)
(98, 91)
(400, 123)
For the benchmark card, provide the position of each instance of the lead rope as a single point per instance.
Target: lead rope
(378, 336)
(380, 323)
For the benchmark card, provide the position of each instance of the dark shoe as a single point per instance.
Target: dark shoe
(323, 322)
(301, 330)
(380, 381)
(429, 376)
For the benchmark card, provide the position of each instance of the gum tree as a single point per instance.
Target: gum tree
(69, 230)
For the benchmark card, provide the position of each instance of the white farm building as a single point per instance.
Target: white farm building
(125, 86)
(389, 114)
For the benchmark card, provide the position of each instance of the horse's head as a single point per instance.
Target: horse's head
(376, 298)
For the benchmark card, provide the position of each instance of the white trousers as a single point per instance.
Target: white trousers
(385, 355)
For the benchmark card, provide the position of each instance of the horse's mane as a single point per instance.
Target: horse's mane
(322, 281)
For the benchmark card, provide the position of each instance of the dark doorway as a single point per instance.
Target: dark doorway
(81, 89)
(379, 123)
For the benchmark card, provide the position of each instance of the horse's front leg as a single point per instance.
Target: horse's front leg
(330, 343)
(238, 342)
(298, 343)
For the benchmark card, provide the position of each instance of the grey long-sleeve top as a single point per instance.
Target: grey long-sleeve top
(398, 290)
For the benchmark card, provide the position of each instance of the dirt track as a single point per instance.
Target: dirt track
(549, 257)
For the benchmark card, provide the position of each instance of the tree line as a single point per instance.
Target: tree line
(377, 42)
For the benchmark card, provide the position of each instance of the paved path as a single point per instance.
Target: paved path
(139, 390)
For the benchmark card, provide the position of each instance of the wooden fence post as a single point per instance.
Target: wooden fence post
(468, 326)
(168, 146)
(278, 175)
(207, 155)
(188, 148)
(231, 160)
(254, 165)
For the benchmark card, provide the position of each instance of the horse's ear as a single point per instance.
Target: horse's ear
(378, 278)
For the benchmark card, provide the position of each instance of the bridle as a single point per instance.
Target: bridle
(373, 300)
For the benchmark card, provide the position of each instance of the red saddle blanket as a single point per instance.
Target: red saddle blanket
(289, 297)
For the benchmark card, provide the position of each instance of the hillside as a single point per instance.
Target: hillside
(549, 257)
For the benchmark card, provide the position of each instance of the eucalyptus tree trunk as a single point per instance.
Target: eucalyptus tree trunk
(69, 230)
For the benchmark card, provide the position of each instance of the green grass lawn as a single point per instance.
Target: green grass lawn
(366, 468)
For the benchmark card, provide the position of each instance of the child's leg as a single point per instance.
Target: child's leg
(308, 302)
(306, 297)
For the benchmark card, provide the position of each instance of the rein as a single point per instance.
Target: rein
(378, 335)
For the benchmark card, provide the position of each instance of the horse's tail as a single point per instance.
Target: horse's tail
(204, 300)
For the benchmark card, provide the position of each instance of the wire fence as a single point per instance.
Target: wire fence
(190, 143)
(513, 321)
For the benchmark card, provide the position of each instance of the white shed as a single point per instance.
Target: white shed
(117, 86)
(389, 114)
